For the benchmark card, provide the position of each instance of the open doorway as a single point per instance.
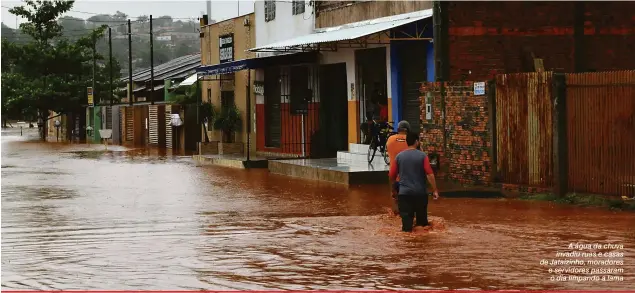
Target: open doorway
(333, 111)
(371, 81)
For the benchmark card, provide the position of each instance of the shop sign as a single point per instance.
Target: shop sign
(90, 96)
(259, 88)
(226, 52)
(479, 88)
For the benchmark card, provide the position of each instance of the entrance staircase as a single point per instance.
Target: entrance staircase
(349, 168)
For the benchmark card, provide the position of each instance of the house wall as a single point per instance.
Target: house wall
(334, 14)
(347, 55)
(487, 38)
(465, 157)
(284, 26)
(244, 39)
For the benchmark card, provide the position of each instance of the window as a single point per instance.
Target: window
(209, 95)
(270, 10)
(227, 99)
(298, 7)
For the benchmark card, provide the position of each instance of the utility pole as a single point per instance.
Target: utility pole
(130, 97)
(94, 66)
(151, 63)
(110, 54)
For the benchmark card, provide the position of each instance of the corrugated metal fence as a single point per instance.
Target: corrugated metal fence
(524, 128)
(601, 132)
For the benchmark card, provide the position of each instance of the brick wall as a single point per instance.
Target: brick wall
(465, 157)
(487, 38)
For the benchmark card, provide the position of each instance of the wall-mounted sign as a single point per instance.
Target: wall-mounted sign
(352, 97)
(226, 44)
(479, 88)
(259, 88)
(91, 102)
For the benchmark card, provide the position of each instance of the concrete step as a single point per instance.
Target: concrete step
(358, 148)
(357, 158)
(330, 170)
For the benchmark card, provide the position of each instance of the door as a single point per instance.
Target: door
(413, 73)
(272, 107)
(333, 111)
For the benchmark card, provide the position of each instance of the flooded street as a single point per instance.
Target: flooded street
(73, 219)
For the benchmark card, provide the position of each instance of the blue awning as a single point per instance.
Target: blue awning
(253, 63)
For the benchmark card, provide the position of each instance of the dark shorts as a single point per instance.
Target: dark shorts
(411, 207)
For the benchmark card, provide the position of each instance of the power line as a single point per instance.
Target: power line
(117, 21)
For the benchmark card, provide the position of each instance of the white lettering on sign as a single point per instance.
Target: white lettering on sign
(226, 41)
(226, 53)
(479, 88)
(259, 88)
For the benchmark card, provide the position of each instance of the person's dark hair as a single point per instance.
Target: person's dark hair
(412, 138)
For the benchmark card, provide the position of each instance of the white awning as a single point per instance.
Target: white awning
(189, 81)
(350, 31)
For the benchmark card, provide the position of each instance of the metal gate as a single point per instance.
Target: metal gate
(273, 84)
(168, 127)
(116, 124)
(154, 124)
(291, 108)
(129, 112)
(524, 128)
(601, 132)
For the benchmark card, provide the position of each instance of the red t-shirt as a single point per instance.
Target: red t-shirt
(383, 112)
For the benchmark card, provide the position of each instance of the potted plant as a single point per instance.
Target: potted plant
(228, 122)
(208, 113)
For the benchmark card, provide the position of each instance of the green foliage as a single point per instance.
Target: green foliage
(50, 72)
(207, 111)
(228, 121)
(184, 95)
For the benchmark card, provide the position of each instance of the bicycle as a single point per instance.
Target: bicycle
(382, 131)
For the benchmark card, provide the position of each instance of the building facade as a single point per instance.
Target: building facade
(319, 111)
(478, 40)
(226, 42)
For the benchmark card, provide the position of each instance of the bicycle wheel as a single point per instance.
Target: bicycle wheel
(372, 149)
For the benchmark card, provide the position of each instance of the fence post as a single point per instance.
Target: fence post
(560, 158)
(493, 151)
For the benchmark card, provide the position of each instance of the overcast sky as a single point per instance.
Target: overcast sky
(221, 10)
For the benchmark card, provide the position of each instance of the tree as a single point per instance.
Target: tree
(49, 73)
(165, 20)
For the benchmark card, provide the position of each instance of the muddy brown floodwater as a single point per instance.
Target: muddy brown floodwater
(73, 219)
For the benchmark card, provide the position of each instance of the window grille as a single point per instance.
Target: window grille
(270, 10)
(298, 7)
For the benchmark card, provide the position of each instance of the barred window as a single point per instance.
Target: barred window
(270, 10)
(298, 7)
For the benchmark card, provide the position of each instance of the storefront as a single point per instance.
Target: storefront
(230, 71)
(378, 59)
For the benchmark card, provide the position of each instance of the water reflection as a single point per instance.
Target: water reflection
(77, 217)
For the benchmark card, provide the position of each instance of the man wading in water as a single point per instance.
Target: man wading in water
(412, 166)
(395, 145)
